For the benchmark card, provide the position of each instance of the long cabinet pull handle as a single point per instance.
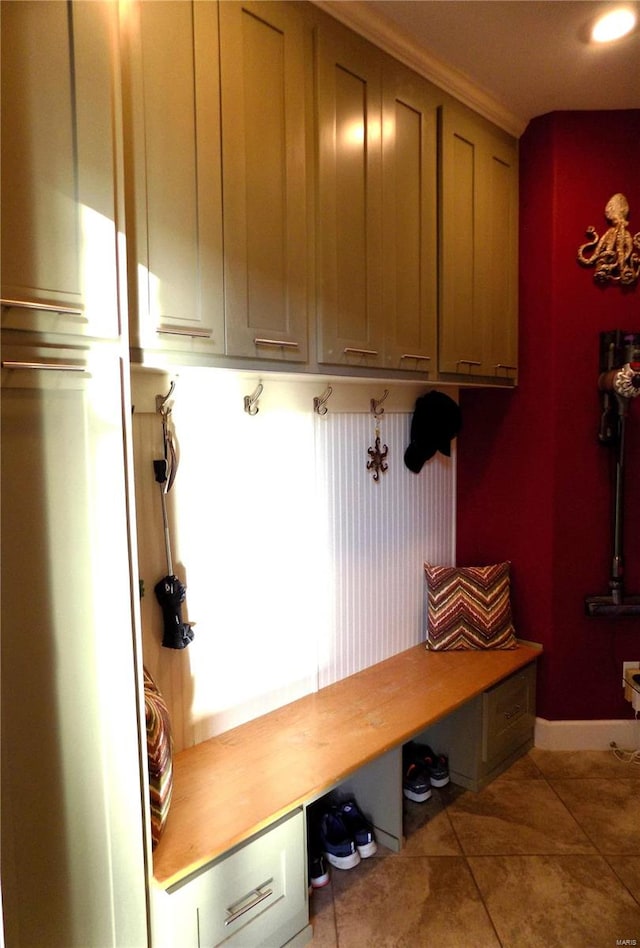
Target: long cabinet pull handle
(350, 350)
(47, 366)
(276, 342)
(45, 307)
(259, 895)
(504, 365)
(467, 362)
(179, 331)
(410, 355)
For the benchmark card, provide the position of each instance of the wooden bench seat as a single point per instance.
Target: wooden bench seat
(228, 788)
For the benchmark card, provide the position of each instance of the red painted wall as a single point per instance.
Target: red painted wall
(534, 484)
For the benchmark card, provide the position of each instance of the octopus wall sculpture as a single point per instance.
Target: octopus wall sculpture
(615, 255)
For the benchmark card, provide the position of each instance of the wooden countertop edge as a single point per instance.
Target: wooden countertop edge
(182, 852)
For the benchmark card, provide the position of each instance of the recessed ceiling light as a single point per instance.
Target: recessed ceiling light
(613, 25)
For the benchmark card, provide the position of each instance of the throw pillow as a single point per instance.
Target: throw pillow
(469, 607)
(159, 755)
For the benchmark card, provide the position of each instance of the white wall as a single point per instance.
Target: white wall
(300, 568)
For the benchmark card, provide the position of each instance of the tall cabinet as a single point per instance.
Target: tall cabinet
(478, 334)
(73, 779)
(376, 208)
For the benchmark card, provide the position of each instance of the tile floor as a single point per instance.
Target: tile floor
(547, 855)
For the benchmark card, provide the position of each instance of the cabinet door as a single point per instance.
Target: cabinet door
(349, 239)
(478, 318)
(264, 165)
(73, 870)
(409, 233)
(60, 163)
(173, 162)
(499, 304)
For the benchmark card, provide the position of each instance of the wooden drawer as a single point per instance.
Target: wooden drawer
(508, 715)
(256, 895)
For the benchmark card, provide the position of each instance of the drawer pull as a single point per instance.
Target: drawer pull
(276, 342)
(509, 714)
(256, 896)
(47, 366)
(178, 331)
(505, 365)
(410, 355)
(45, 307)
(467, 362)
(363, 352)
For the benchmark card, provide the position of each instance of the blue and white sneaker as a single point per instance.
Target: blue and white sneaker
(359, 828)
(337, 843)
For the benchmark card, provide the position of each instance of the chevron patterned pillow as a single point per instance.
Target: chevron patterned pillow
(469, 607)
(159, 756)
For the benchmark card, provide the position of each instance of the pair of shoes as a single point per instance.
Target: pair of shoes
(346, 836)
(422, 770)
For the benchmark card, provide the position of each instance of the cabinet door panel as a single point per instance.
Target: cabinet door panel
(460, 335)
(73, 869)
(174, 127)
(478, 315)
(60, 157)
(410, 222)
(500, 249)
(263, 135)
(350, 199)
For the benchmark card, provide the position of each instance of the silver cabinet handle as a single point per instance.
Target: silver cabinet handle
(467, 362)
(410, 355)
(256, 896)
(45, 307)
(504, 365)
(364, 352)
(47, 366)
(179, 331)
(276, 342)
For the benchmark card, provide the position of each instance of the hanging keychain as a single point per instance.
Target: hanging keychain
(377, 455)
(169, 591)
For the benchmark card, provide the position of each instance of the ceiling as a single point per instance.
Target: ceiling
(528, 57)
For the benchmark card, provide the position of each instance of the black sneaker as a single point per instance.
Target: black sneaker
(359, 828)
(415, 782)
(337, 843)
(437, 765)
(318, 871)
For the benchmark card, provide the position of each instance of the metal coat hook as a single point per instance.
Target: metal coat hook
(161, 401)
(375, 404)
(320, 401)
(251, 401)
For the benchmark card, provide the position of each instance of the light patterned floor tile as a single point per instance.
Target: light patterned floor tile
(607, 810)
(556, 901)
(519, 817)
(393, 902)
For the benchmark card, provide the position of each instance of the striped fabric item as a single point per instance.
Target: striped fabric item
(469, 607)
(159, 755)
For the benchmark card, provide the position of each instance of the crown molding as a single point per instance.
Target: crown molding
(358, 15)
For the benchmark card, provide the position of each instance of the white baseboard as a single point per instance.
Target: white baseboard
(586, 735)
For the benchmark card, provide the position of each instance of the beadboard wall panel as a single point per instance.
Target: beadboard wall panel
(378, 536)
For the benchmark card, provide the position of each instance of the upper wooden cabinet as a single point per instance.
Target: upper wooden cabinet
(264, 180)
(61, 167)
(377, 208)
(409, 221)
(349, 206)
(172, 115)
(479, 249)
